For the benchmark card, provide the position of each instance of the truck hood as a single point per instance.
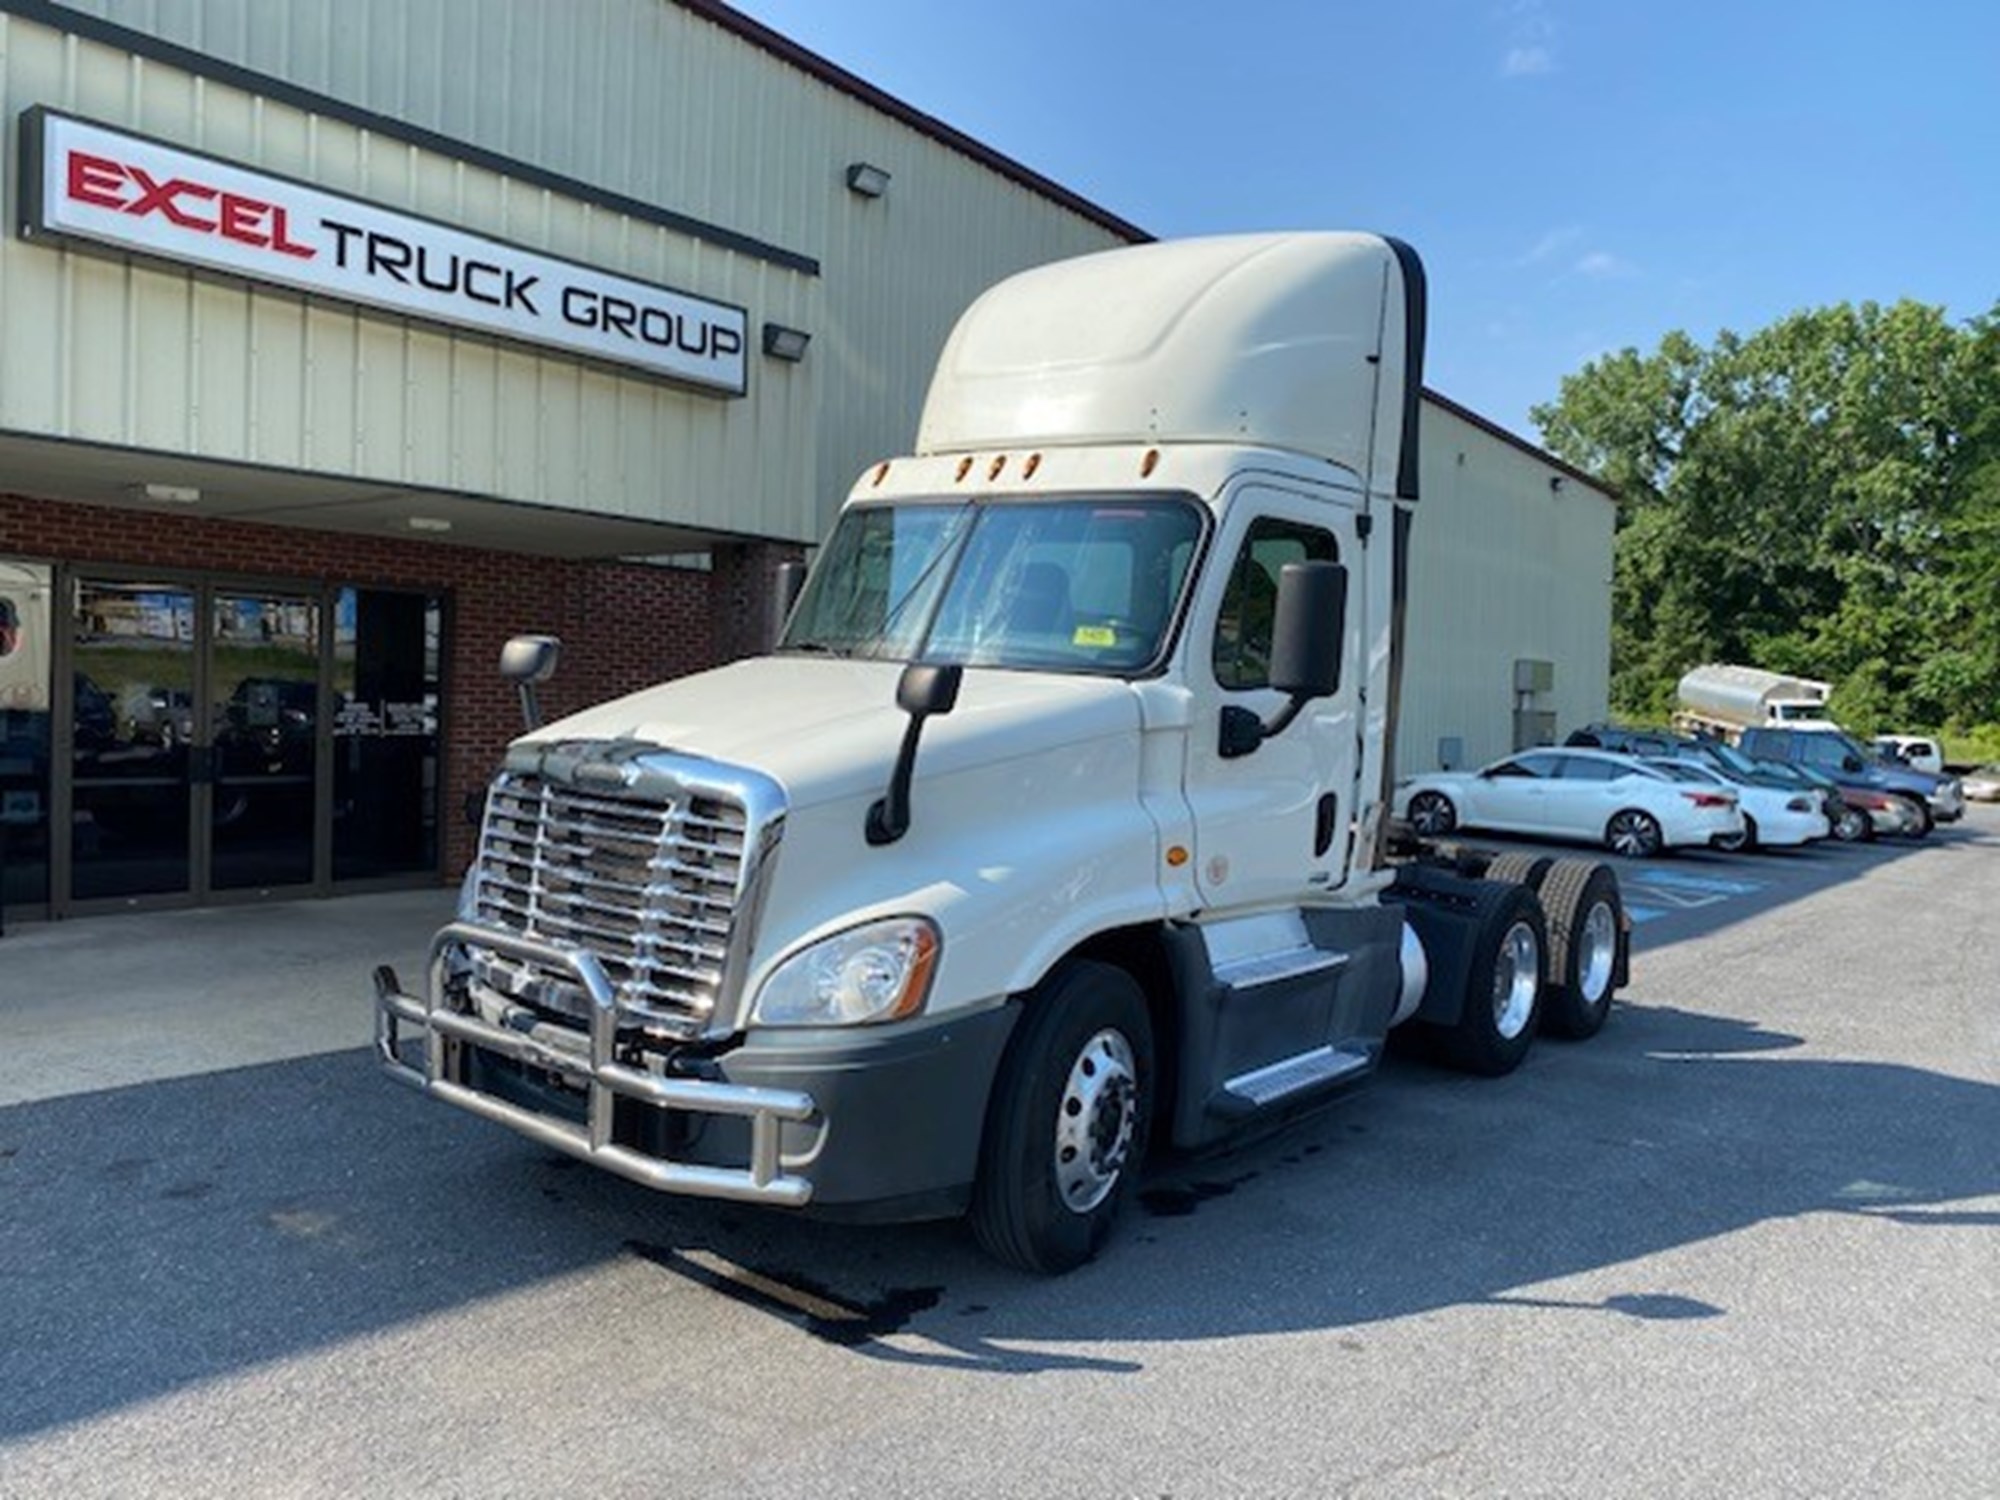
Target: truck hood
(828, 729)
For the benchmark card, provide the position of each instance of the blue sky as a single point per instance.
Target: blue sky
(1579, 177)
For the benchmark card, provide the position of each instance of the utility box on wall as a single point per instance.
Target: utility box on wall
(1533, 724)
(1534, 676)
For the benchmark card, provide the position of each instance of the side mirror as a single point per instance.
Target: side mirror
(1309, 629)
(1308, 641)
(1852, 764)
(920, 692)
(527, 661)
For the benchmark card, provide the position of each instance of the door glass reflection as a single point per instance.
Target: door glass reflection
(26, 647)
(386, 649)
(132, 720)
(264, 723)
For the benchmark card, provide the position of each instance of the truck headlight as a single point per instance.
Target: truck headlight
(878, 972)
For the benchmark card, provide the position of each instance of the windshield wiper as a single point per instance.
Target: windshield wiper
(947, 547)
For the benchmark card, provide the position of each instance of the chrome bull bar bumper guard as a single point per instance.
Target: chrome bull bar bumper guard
(603, 1078)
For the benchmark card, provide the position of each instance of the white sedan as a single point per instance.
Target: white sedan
(1591, 795)
(1772, 814)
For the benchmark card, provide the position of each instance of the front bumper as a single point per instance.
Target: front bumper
(592, 1069)
(880, 1122)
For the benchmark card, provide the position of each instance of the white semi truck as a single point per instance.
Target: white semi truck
(1056, 826)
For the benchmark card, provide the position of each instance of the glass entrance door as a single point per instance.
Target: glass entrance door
(262, 733)
(230, 738)
(132, 713)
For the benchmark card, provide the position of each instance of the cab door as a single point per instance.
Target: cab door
(1272, 825)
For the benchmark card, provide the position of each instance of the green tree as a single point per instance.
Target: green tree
(1820, 497)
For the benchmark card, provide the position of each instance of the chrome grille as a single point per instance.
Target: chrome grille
(649, 885)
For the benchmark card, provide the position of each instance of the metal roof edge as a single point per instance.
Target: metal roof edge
(834, 76)
(1514, 440)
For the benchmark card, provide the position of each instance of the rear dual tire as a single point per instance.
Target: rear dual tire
(1586, 917)
(1503, 988)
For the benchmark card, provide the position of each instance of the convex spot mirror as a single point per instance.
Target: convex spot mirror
(528, 660)
(922, 691)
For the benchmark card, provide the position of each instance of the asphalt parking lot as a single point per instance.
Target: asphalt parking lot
(1746, 1241)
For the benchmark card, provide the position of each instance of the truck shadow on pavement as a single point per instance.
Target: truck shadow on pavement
(172, 1233)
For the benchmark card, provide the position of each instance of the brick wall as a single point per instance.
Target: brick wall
(622, 625)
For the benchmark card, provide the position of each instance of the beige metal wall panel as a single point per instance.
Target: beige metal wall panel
(640, 97)
(150, 357)
(1503, 567)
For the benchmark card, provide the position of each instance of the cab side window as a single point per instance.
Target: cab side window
(1249, 602)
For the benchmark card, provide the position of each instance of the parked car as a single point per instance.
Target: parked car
(1591, 795)
(1628, 740)
(1850, 821)
(1774, 815)
(1916, 750)
(1844, 823)
(1888, 813)
(1982, 784)
(1856, 768)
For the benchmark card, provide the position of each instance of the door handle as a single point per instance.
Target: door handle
(1326, 818)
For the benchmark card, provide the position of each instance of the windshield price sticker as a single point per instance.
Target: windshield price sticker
(89, 182)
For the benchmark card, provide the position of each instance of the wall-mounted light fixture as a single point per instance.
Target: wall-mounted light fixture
(1555, 484)
(867, 180)
(788, 344)
(173, 494)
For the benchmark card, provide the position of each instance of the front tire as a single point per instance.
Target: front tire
(1853, 826)
(1740, 843)
(1925, 822)
(1432, 814)
(1634, 834)
(1067, 1124)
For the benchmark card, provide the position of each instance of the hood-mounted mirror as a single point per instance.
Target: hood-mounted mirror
(920, 692)
(528, 661)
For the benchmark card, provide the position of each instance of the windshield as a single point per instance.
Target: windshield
(1680, 770)
(1062, 585)
(1732, 759)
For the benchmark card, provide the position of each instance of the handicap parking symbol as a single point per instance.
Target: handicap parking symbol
(1659, 893)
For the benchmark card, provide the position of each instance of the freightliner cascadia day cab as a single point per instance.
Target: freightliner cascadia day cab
(1055, 828)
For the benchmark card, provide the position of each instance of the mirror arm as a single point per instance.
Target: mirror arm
(531, 705)
(1242, 731)
(1283, 719)
(889, 816)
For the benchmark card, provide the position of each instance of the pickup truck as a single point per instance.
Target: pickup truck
(1850, 764)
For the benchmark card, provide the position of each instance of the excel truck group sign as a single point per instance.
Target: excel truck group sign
(82, 181)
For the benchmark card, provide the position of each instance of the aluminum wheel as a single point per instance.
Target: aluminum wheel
(1095, 1121)
(1599, 940)
(1431, 814)
(1517, 977)
(1633, 834)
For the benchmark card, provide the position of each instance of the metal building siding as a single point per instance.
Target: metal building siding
(637, 97)
(1502, 567)
(151, 357)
